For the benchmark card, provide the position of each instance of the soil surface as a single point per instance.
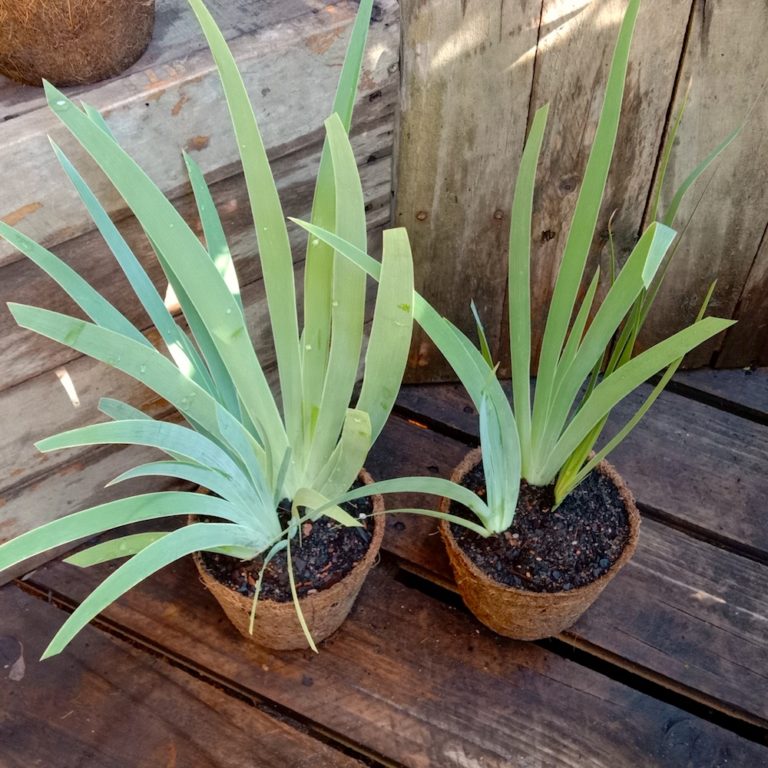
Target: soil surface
(546, 550)
(324, 553)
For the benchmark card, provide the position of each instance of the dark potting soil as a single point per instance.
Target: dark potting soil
(546, 550)
(325, 552)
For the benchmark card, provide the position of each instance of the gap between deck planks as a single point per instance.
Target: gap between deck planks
(420, 683)
(717, 633)
(109, 705)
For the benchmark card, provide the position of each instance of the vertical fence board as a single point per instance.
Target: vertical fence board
(467, 67)
(746, 343)
(726, 61)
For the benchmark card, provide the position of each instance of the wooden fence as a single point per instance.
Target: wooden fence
(474, 71)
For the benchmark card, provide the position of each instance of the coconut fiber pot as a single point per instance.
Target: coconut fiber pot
(518, 612)
(72, 42)
(276, 625)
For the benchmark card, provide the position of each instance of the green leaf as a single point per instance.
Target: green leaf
(576, 333)
(638, 270)
(582, 229)
(569, 480)
(519, 280)
(390, 337)
(435, 486)
(628, 378)
(347, 304)
(485, 349)
(212, 479)
(125, 546)
(222, 385)
(295, 597)
(188, 260)
(313, 501)
(271, 233)
(143, 363)
(215, 239)
(88, 299)
(104, 517)
(176, 439)
(320, 260)
(671, 212)
(175, 339)
(347, 460)
(149, 560)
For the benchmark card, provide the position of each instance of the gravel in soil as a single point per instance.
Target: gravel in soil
(546, 550)
(322, 556)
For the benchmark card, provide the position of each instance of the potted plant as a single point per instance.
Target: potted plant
(560, 518)
(276, 473)
(72, 42)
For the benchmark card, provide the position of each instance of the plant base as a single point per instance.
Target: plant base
(520, 613)
(72, 42)
(276, 625)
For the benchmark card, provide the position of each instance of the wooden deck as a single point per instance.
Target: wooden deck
(668, 668)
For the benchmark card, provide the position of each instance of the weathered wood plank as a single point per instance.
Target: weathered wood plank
(725, 58)
(743, 391)
(154, 115)
(467, 70)
(682, 610)
(695, 464)
(24, 354)
(420, 707)
(175, 36)
(109, 705)
(746, 343)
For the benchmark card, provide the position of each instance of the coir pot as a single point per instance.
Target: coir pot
(72, 42)
(519, 613)
(276, 624)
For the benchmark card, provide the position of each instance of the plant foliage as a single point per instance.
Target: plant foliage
(548, 437)
(238, 441)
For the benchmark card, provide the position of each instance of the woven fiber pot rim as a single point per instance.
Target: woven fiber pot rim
(277, 624)
(470, 461)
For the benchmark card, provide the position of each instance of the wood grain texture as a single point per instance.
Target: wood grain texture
(175, 36)
(746, 343)
(420, 684)
(743, 391)
(682, 609)
(726, 62)
(699, 466)
(153, 114)
(109, 705)
(466, 80)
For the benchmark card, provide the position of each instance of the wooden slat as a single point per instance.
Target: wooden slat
(421, 684)
(726, 59)
(467, 70)
(176, 32)
(741, 391)
(746, 343)
(700, 466)
(682, 610)
(290, 68)
(106, 704)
